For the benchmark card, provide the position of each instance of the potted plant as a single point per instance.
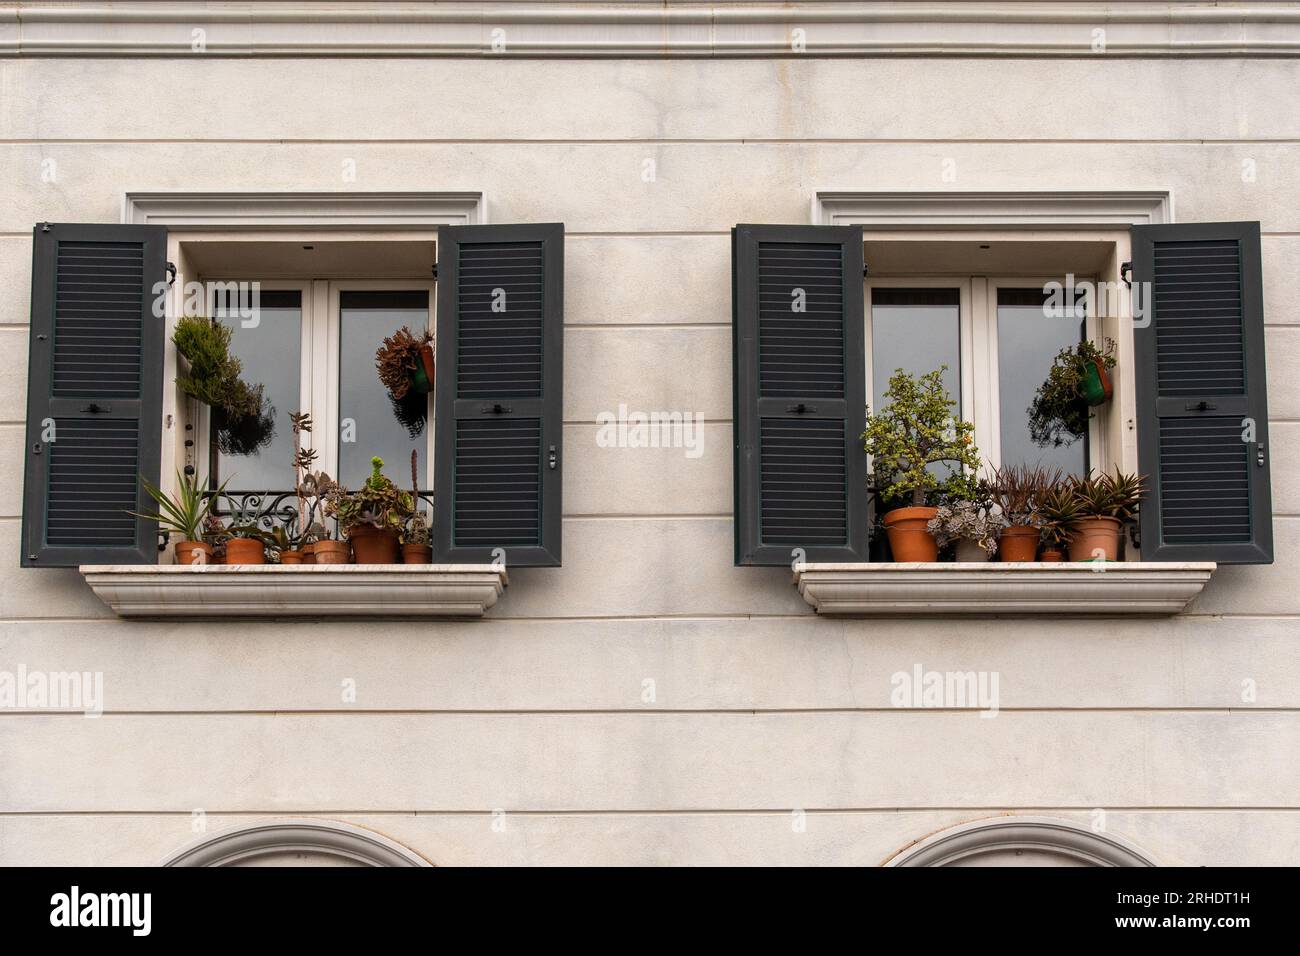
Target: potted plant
(415, 536)
(914, 431)
(215, 535)
(373, 517)
(1059, 509)
(1017, 490)
(969, 521)
(1106, 503)
(243, 420)
(405, 362)
(1079, 378)
(184, 513)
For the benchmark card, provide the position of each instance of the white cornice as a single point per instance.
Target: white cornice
(305, 210)
(1083, 587)
(574, 28)
(1038, 208)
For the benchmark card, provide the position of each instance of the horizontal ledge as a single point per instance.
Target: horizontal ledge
(314, 591)
(1084, 587)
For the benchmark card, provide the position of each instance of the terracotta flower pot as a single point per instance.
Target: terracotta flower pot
(909, 539)
(331, 552)
(1052, 556)
(371, 545)
(245, 551)
(970, 551)
(1095, 538)
(291, 557)
(1018, 543)
(417, 554)
(309, 553)
(193, 552)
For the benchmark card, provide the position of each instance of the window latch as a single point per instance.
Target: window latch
(801, 408)
(495, 409)
(1126, 272)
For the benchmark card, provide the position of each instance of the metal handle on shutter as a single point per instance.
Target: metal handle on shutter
(1200, 407)
(495, 410)
(96, 409)
(801, 408)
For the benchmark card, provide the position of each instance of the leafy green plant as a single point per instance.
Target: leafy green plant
(917, 429)
(184, 513)
(1059, 414)
(1059, 509)
(378, 502)
(1109, 496)
(1018, 491)
(243, 420)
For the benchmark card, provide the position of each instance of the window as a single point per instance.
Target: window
(311, 346)
(997, 337)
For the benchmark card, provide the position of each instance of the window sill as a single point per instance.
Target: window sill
(995, 588)
(315, 591)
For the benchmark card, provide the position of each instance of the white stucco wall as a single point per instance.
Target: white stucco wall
(760, 708)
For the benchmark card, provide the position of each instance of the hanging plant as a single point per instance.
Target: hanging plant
(243, 419)
(405, 366)
(1077, 379)
(405, 363)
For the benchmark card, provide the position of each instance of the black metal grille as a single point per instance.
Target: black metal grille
(1197, 286)
(500, 320)
(800, 353)
(97, 315)
(93, 482)
(1204, 481)
(498, 482)
(802, 498)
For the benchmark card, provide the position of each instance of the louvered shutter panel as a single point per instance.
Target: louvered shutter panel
(799, 391)
(1201, 393)
(498, 419)
(94, 394)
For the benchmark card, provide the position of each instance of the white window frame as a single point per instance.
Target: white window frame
(320, 365)
(978, 375)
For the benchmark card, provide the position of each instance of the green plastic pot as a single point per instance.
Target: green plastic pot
(1096, 388)
(420, 381)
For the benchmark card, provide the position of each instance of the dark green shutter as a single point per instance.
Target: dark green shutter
(799, 391)
(498, 409)
(94, 374)
(1200, 391)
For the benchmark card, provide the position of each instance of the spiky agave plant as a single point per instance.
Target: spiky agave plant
(185, 512)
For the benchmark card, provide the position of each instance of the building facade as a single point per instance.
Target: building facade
(650, 634)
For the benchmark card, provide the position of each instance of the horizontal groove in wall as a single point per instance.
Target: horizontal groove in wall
(648, 712)
(653, 141)
(768, 811)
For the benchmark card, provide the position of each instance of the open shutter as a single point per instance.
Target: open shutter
(799, 391)
(94, 394)
(1201, 402)
(497, 412)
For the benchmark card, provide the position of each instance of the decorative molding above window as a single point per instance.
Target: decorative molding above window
(301, 841)
(1039, 208)
(576, 28)
(1082, 587)
(305, 211)
(314, 591)
(1021, 841)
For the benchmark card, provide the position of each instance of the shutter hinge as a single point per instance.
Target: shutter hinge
(171, 272)
(1126, 272)
(1259, 455)
(866, 270)
(552, 458)
(434, 270)
(45, 227)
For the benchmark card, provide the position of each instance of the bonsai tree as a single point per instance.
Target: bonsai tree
(915, 430)
(1059, 413)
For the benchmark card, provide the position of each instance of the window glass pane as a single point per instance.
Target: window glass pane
(917, 330)
(256, 454)
(369, 423)
(1029, 338)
